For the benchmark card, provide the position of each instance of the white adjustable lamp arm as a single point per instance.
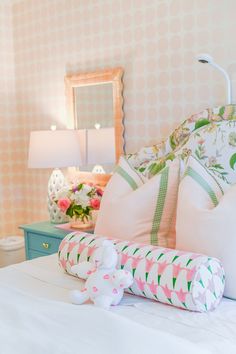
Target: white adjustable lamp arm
(207, 59)
(226, 75)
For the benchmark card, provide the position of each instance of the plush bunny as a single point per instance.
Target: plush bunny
(104, 283)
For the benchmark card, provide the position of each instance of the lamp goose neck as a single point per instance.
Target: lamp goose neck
(226, 75)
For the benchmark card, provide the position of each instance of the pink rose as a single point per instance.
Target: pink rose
(64, 204)
(100, 192)
(95, 203)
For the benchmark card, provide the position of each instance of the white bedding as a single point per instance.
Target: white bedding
(34, 299)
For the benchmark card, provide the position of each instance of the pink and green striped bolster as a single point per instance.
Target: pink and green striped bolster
(183, 279)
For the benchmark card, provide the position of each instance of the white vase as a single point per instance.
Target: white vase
(94, 216)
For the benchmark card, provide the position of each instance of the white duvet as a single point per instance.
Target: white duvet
(31, 325)
(36, 318)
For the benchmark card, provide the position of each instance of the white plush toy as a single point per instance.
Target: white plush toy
(105, 284)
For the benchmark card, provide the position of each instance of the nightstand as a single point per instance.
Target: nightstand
(43, 239)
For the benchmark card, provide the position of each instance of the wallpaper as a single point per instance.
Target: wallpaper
(154, 41)
(12, 168)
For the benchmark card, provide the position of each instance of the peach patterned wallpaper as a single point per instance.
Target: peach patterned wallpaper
(155, 41)
(12, 169)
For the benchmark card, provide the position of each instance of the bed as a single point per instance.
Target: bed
(36, 316)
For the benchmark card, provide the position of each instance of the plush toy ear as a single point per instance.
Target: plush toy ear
(107, 243)
(109, 256)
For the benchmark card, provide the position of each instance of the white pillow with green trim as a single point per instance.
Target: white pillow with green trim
(206, 214)
(141, 210)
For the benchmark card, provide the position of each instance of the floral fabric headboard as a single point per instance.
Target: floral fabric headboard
(210, 136)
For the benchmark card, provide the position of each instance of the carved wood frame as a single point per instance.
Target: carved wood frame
(113, 76)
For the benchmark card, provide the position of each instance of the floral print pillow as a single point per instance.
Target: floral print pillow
(209, 135)
(215, 146)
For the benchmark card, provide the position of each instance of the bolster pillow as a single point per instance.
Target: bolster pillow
(182, 279)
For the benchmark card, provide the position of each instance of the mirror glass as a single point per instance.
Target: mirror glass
(94, 106)
(95, 122)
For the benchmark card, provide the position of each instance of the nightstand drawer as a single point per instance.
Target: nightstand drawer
(35, 254)
(42, 243)
(43, 238)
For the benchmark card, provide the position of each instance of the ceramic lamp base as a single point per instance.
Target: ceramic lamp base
(98, 169)
(55, 183)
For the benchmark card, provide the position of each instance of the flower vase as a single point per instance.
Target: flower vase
(94, 215)
(81, 225)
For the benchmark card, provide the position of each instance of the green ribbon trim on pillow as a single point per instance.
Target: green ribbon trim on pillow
(211, 175)
(159, 206)
(203, 183)
(127, 177)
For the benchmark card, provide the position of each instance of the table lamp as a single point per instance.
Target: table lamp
(54, 149)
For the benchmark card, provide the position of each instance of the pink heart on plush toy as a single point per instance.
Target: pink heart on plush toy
(114, 291)
(106, 276)
(95, 289)
(91, 271)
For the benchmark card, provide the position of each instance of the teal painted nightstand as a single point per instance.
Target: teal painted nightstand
(42, 239)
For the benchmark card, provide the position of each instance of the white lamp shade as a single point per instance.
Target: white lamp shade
(100, 146)
(82, 133)
(54, 149)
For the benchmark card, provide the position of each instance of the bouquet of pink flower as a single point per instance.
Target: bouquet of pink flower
(78, 201)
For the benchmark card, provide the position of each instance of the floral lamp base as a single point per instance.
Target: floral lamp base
(56, 182)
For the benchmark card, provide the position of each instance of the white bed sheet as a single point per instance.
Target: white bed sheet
(214, 331)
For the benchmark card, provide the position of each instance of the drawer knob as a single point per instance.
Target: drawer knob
(45, 245)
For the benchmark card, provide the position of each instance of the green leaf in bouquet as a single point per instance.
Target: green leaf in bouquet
(80, 186)
(69, 211)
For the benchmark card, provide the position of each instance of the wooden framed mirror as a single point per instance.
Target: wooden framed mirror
(95, 108)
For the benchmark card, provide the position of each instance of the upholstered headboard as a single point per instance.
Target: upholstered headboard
(210, 136)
